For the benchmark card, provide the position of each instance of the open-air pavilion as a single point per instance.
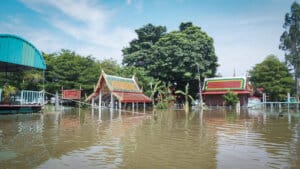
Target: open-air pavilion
(17, 54)
(113, 91)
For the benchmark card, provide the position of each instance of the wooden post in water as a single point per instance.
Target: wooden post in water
(279, 107)
(56, 100)
(264, 99)
(288, 101)
(271, 105)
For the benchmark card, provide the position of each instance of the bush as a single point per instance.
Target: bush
(162, 105)
(231, 99)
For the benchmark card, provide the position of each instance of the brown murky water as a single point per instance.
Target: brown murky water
(167, 139)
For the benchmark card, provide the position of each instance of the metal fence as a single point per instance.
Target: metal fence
(32, 97)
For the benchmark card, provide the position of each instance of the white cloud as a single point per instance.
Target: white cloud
(84, 21)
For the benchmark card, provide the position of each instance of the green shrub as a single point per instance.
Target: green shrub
(231, 99)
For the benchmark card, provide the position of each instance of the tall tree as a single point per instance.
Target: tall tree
(173, 58)
(138, 51)
(69, 70)
(290, 41)
(273, 76)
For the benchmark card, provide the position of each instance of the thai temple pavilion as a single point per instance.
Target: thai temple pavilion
(215, 88)
(112, 91)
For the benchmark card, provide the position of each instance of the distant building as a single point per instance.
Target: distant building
(215, 88)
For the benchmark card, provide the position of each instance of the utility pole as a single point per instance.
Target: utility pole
(200, 92)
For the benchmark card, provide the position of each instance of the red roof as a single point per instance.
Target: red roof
(131, 97)
(224, 84)
(225, 91)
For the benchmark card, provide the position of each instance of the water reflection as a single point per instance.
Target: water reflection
(74, 138)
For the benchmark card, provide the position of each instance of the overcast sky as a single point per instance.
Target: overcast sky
(244, 31)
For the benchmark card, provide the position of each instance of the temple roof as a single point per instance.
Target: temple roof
(224, 84)
(124, 89)
(121, 84)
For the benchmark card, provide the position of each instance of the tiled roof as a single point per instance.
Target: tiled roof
(116, 83)
(125, 89)
(131, 97)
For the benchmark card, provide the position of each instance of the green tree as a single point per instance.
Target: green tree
(273, 76)
(71, 71)
(137, 54)
(290, 41)
(174, 56)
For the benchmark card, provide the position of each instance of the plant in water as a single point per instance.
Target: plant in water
(8, 90)
(154, 90)
(231, 99)
(186, 96)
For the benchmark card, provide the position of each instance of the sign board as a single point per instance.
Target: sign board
(71, 94)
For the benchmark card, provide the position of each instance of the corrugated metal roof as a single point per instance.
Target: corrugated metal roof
(16, 52)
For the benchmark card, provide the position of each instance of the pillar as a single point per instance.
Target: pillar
(112, 101)
(100, 100)
(133, 107)
(144, 107)
(93, 102)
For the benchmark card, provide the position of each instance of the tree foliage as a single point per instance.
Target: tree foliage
(71, 71)
(173, 57)
(231, 99)
(290, 39)
(139, 50)
(273, 76)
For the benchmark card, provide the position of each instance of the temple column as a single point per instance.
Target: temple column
(112, 101)
(133, 107)
(93, 102)
(100, 100)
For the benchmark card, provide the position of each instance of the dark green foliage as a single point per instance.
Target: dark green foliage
(273, 76)
(173, 57)
(70, 71)
(290, 39)
(231, 99)
(139, 50)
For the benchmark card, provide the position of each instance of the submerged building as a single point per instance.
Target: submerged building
(112, 91)
(215, 88)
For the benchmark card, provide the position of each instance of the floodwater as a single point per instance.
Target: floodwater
(74, 138)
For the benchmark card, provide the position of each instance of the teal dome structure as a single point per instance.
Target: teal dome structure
(17, 53)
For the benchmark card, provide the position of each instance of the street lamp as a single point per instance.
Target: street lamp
(200, 92)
